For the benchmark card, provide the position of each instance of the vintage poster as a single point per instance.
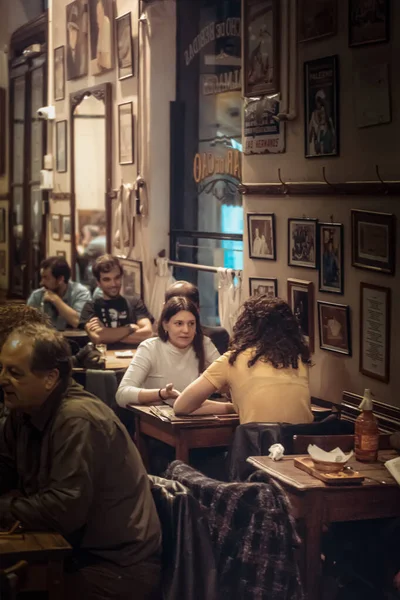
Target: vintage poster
(263, 132)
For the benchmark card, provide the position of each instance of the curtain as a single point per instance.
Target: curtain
(229, 297)
(163, 280)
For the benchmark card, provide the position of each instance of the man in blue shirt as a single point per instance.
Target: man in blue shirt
(61, 299)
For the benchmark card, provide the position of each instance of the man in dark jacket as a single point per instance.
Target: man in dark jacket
(75, 471)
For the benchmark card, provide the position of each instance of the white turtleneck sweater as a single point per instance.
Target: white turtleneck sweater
(157, 363)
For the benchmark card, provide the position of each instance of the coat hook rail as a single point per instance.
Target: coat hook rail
(284, 186)
(385, 185)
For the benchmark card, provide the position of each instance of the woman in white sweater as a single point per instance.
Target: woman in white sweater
(164, 366)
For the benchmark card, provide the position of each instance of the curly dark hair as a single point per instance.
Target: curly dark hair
(269, 326)
(171, 308)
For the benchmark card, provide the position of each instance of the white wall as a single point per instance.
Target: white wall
(361, 150)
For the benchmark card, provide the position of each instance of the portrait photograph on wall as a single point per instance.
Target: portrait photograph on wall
(334, 327)
(66, 228)
(59, 73)
(125, 133)
(55, 222)
(331, 261)
(321, 107)
(263, 285)
(368, 22)
(61, 146)
(77, 39)
(373, 241)
(261, 236)
(317, 19)
(261, 44)
(101, 15)
(124, 46)
(300, 296)
(375, 306)
(132, 279)
(302, 243)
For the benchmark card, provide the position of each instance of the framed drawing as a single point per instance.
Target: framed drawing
(263, 285)
(373, 241)
(3, 237)
(303, 243)
(334, 327)
(368, 22)
(261, 235)
(101, 19)
(321, 107)
(3, 267)
(375, 331)
(77, 39)
(261, 47)
(317, 19)
(66, 228)
(331, 258)
(124, 46)
(132, 278)
(56, 227)
(59, 73)
(61, 254)
(61, 146)
(125, 133)
(301, 300)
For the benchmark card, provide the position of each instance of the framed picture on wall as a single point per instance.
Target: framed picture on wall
(317, 19)
(61, 146)
(261, 47)
(300, 296)
(263, 285)
(101, 19)
(66, 228)
(321, 107)
(303, 243)
(125, 133)
(331, 261)
(132, 278)
(55, 227)
(373, 241)
(334, 327)
(59, 73)
(261, 236)
(61, 254)
(375, 308)
(3, 236)
(124, 46)
(368, 22)
(77, 39)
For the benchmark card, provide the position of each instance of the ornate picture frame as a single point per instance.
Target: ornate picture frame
(263, 285)
(66, 228)
(331, 258)
(55, 222)
(368, 22)
(59, 73)
(375, 326)
(125, 133)
(373, 241)
(316, 19)
(124, 46)
(261, 236)
(303, 243)
(132, 278)
(334, 327)
(300, 297)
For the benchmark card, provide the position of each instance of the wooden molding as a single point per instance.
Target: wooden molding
(321, 188)
(388, 416)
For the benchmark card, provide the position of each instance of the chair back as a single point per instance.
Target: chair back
(10, 580)
(219, 337)
(330, 442)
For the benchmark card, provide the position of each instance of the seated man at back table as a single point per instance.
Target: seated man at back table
(218, 335)
(59, 297)
(68, 465)
(112, 319)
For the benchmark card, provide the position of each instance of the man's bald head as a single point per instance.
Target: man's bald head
(185, 289)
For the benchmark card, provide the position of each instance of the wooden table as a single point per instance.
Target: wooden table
(113, 363)
(184, 433)
(316, 504)
(45, 553)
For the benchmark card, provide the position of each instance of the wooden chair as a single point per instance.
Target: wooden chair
(10, 580)
(329, 442)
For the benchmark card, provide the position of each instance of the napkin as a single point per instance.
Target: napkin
(334, 456)
(276, 451)
(124, 354)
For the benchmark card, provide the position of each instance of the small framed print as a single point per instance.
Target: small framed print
(261, 47)
(301, 300)
(261, 235)
(303, 243)
(263, 285)
(66, 228)
(373, 241)
(59, 73)
(125, 131)
(55, 227)
(331, 261)
(61, 146)
(61, 254)
(3, 267)
(124, 46)
(321, 107)
(317, 19)
(368, 22)
(132, 278)
(3, 237)
(334, 327)
(375, 308)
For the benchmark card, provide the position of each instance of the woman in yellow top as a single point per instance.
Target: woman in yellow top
(265, 369)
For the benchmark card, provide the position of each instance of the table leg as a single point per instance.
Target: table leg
(55, 580)
(141, 442)
(182, 450)
(312, 533)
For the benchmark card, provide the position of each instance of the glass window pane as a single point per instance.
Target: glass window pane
(19, 98)
(36, 150)
(18, 158)
(37, 90)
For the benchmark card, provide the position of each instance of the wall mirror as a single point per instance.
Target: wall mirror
(90, 178)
